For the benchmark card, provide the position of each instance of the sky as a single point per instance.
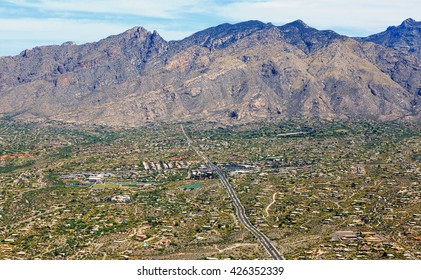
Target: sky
(25, 24)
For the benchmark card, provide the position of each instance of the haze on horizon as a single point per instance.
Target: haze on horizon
(25, 24)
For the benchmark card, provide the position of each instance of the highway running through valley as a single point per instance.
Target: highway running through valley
(238, 207)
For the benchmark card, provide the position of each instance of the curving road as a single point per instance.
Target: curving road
(238, 207)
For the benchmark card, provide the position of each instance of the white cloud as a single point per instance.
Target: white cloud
(19, 34)
(371, 16)
(155, 8)
(57, 29)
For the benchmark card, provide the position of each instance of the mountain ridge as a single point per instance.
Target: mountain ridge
(404, 37)
(230, 72)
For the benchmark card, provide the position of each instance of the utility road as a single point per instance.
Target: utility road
(240, 212)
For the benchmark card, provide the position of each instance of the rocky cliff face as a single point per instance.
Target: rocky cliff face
(227, 73)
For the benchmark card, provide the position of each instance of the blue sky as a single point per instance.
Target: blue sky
(25, 24)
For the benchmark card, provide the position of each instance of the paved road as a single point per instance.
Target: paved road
(238, 207)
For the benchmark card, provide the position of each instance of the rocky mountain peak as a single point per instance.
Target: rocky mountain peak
(307, 38)
(404, 37)
(137, 30)
(297, 33)
(69, 43)
(298, 24)
(410, 23)
(222, 35)
(138, 33)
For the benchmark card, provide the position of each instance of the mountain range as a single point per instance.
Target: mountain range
(229, 73)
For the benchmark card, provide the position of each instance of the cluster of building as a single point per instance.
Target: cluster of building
(14, 156)
(87, 178)
(203, 172)
(120, 198)
(161, 165)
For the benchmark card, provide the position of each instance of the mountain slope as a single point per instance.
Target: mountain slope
(405, 37)
(227, 73)
(306, 38)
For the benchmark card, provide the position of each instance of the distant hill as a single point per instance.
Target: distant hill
(228, 73)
